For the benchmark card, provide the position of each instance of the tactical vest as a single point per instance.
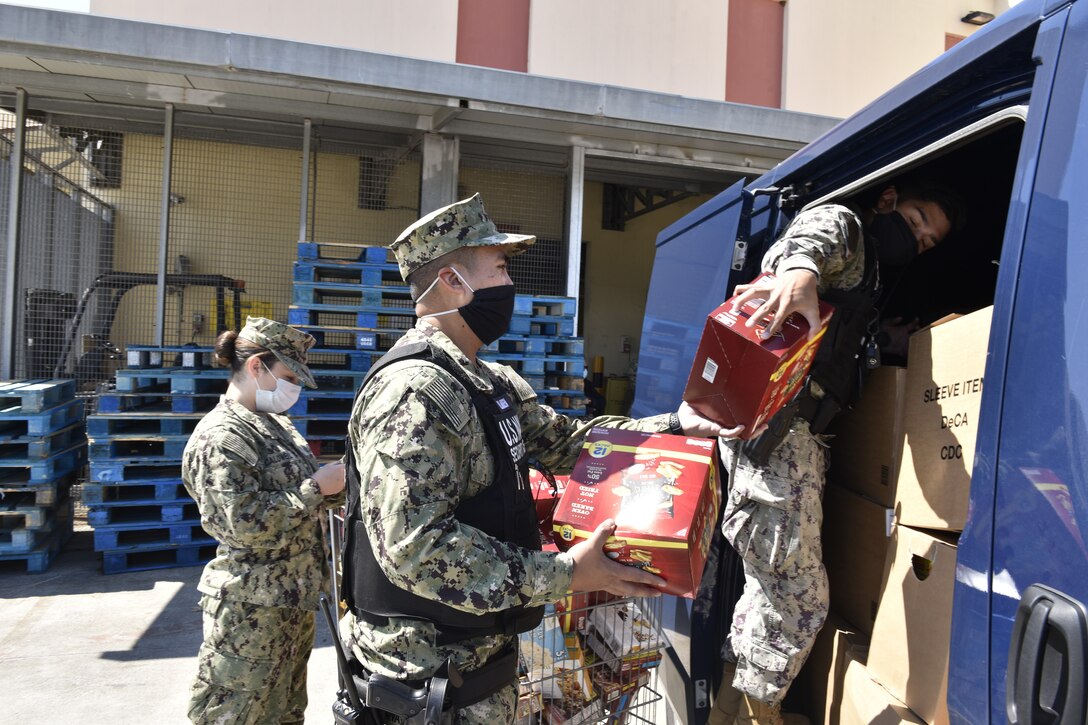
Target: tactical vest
(848, 350)
(504, 510)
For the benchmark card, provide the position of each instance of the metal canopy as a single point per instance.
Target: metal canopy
(123, 73)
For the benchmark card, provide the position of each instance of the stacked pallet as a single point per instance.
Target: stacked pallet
(541, 346)
(42, 450)
(140, 512)
(352, 300)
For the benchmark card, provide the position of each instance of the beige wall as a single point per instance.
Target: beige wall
(415, 28)
(842, 55)
(617, 274)
(633, 43)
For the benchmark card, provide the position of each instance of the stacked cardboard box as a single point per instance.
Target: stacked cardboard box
(904, 455)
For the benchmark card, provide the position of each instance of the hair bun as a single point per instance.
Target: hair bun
(225, 354)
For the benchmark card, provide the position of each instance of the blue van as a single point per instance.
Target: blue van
(1004, 117)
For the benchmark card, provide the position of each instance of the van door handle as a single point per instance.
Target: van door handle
(1048, 660)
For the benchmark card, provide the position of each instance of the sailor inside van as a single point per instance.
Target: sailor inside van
(845, 254)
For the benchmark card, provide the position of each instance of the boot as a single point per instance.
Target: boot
(727, 702)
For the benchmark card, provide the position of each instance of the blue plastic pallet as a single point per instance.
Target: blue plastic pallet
(41, 470)
(133, 470)
(141, 489)
(365, 273)
(183, 356)
(387, 319)
(180, 403)
(129, 446)
(34, 396)
(329, 427)
(141, 512)
(533, 365)
(330, 251)
(144, 558)
(140, 533)
(333, 359)
(22, 507)
(42, 557)
(546, 326)
(378, 340)
(544, 305)
(143, 422)
(528, 345)
(319, 402)
(316, 295)
(48, 493)
(18, 535)
(43, 446)
(172, 380)
(17, 424)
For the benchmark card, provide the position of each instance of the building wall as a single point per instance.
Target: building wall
(803, 55)
(838, 61)
(617, 276)
(633, 43)
(414, 28)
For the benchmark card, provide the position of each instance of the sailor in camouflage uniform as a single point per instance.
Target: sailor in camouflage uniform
(422, 455)
(262, 495)
(773, 513)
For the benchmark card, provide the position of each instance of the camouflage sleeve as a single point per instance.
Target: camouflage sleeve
(555, 439)
(235, 507)
(410, 436)
(826, 240)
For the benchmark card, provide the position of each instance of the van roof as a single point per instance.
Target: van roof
(990, 70)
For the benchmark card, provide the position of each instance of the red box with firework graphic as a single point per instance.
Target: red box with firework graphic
(739, 379)
(661, 490)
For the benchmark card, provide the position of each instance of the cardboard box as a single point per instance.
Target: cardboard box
(868, 442)
(556, 671)
(826, 667)
(856, 534)
(940, 421)
(865, 701)
(545, 495)
(661, 490)
(738, 379)
(911, 634)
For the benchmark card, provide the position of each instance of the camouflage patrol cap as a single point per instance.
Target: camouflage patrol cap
(463, 224)
(285, 342)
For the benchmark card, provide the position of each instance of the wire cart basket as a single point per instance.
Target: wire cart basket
(593, 658)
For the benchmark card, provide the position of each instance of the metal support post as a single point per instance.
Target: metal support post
(164, 225)
(438, 182)
(304, 191)
(11, 252)
(576, 192)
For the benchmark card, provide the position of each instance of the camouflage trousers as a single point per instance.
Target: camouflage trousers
(772, 518)
(252, 664)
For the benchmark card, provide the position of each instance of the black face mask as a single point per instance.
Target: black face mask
(895, 242)
(489, 311)
(487, 314)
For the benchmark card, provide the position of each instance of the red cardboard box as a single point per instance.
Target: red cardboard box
(738, 379)
(662, 491)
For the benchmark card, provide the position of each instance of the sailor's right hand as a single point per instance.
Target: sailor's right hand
(594, 571)
(793, 290)
(330, 478)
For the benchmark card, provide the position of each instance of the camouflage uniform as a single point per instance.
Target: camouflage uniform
(250, 474)
(773, 513)
(421, 448)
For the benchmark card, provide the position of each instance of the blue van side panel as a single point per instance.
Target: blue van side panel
(969, 689)
(1041, 498)
(691, 268)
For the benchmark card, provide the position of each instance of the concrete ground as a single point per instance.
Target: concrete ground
(79, 646)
